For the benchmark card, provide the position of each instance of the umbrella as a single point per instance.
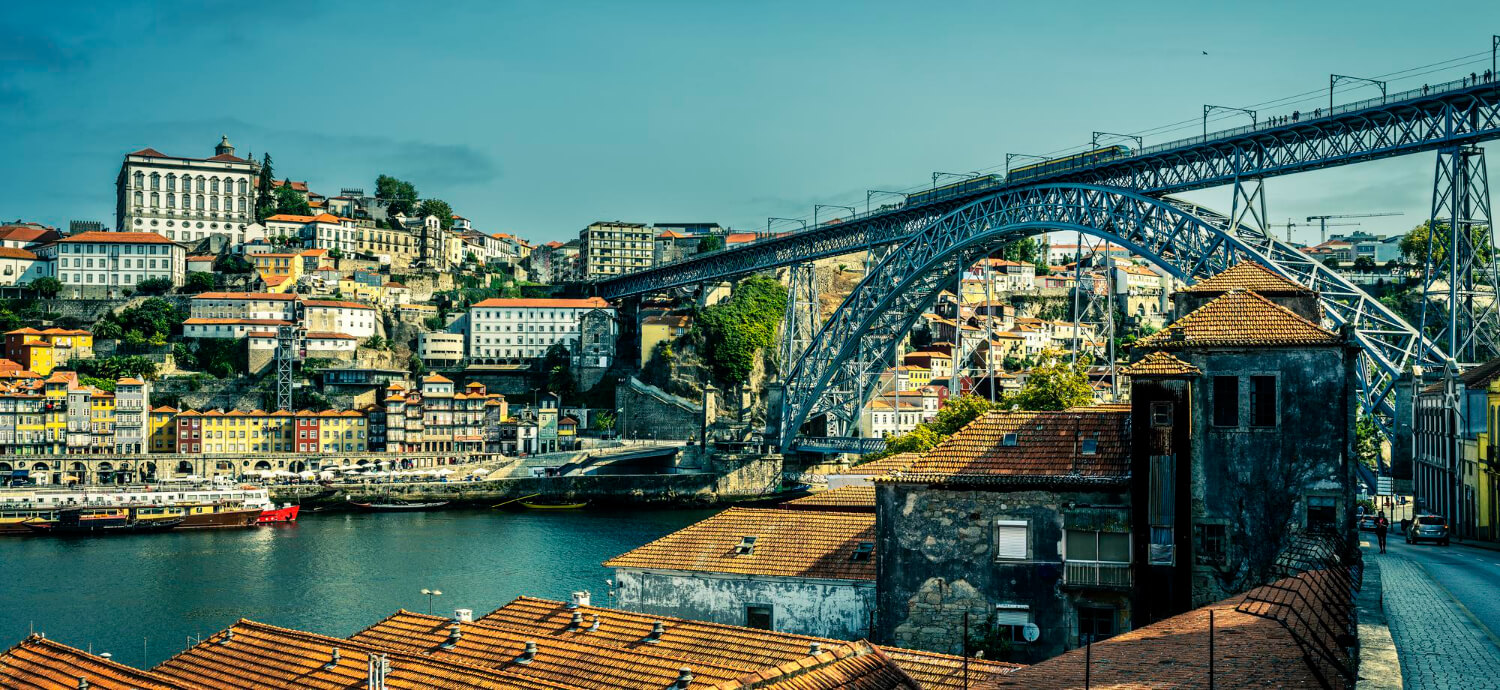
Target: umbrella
(325, 474)
(307, 475)
(443, 471)
(480, 472)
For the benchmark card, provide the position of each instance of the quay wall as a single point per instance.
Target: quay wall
(616, 489)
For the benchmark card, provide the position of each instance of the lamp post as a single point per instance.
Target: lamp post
(1210, 108)
(1139, 142)
(791, 220)
(818, 207)
(872, 192)
(430, 594)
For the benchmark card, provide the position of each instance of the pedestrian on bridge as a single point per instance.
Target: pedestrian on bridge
(1382, 526)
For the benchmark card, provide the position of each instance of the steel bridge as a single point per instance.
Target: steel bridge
(1126, 201)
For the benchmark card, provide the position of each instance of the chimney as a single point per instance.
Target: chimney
(528, 654)
(83, 683)
(228, 637)
(595, 626)
(579, 599)
(684, 678)
(376, 671)
(815, 648)
(332, 660)
(454, 635)
(577, 620)
(463, 615)
(657, 629)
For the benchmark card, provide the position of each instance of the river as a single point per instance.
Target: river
(331, 574)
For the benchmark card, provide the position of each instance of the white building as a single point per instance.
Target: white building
(244, 305)
(510, 330)
(330, 316)
(187, 199)
(19, 266)
(440, 349)
(107, 264)
(203, 327)
(132, 414)
(323, 231)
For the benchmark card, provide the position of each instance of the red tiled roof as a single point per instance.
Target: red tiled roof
(41, 664)
(103, 237)
(899, 462)
(1047, 447)
(545, 303)
(788, 543)
(246, 295)
(1159, 363)
(148, 152)
(27, 233)
(1248, 275)
(858, 497)
(1239, 319)
(326, 335)
(13, 253)
(196, 321)
(864, 667)
(739, 237)
(335, 304)
(297, 185)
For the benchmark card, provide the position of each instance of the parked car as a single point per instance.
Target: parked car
(1367, 523)
(1428, 528)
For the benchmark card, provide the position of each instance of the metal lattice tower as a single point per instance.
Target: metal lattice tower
(1094, 306)
(1459, 284)
(288, 346)
(800, 322)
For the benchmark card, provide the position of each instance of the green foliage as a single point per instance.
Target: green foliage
(185, 357)
(400, 196)
(433, 323)
(46, 287)
(712, 243)
(116, 367)
(554, 372)
(604, 421)
(199, 281)
(658, 369)
(154, 286)
(1054, 385)
(955, 413)
(309, 399)
(746, 323)
(289, 201)
(416, 366)
(1414, 244)
(223, 357)
(228, 263)
(439, 208)
(265, 203)
(152, 317)
(1366, 442)
(1364, 262)
(1028, 251)
(102, 384)
(376, 342)
(335, 253)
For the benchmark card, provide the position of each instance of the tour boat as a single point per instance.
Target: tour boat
(197, 507)
(107, 520)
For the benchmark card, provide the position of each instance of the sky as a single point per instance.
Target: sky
(537, 118)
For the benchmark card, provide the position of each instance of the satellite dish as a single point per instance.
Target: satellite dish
(1030, 632)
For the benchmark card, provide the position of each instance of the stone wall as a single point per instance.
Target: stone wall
(935, 559)
(746, 475)
(840, 609)
(646, 411)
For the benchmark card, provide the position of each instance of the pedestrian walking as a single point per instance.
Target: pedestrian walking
(1382, 526)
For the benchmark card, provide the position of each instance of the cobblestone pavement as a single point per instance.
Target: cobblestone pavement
(1441, 646)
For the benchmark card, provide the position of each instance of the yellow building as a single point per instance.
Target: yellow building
(279, 271)
(342, 432)
(1486, 486)
(661, 329)
(162, 432)
(41, 351)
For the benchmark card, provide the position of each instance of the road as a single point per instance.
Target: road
(1441, 605)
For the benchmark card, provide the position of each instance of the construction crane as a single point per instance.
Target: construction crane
(1289, 224)
(1323, 223)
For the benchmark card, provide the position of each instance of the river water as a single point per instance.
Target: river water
(331, 574)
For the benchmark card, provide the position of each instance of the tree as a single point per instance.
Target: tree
(1366, 442)
(375, 342)
(198, 281)
(604, 422)
(741, 326)
(399, 196)
(335, 253)
(265, 203)
(712, 243)
(416, 365)
(1414, 244)
(290, 202)
(1025, 250)
(1364, 262)
(229, 263)
(46, 287)
(154, 286)
(955, 414)
(1054, 385)
(439, 208)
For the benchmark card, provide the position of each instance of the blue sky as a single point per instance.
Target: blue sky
(537, 118)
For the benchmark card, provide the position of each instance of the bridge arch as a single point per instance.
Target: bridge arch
(1187, 241)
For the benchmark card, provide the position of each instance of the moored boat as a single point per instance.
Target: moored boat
(279, 514)
(398, 505)
(554, 506)
(102, 520)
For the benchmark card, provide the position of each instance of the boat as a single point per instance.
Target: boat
(398, 505)
(553, 506)
(199, 507)
(279, 514)
(107, 520)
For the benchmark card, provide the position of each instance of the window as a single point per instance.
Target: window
(1321, 512)
(758, 616)
(1226, 401)
(1090, 446)
(1098, 547)
(1213, 542)
(1008, 440)
(1095, 623)
(1161, 415)
(1262, 401)
(1011, 621)
(1012, 540)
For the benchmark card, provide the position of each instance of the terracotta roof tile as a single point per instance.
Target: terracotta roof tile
(546, 303)
(946, 671)
(104, 237)
(1239, 319)
(276, 296)
(39, 663)
(1248, 275)
(788, 543)
(1032, 446)
(859, 667)
(899, 462)
(859, 498)
(13, 253)
(1159, 363)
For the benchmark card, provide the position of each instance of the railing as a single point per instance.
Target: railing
(1096, 574)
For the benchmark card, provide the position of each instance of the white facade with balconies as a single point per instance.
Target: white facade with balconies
(188, 199)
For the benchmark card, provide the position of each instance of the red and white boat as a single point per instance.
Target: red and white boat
(279, 514)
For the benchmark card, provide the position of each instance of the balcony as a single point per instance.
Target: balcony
(1096, 574)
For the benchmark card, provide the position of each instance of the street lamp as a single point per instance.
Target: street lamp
(872, 192)
(1334, 79)
(430, 594)
(1210, 108)
(818, 207)
(791, 220)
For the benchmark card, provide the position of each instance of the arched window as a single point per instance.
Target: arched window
(155, 200)
(155, 181)
(138, 198)
(213, 185)
(213, 203)
(244, 186)
(200, 189)
(171, 182)
(140, 179)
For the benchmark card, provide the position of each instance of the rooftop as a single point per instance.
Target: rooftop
(859, 497)
(545, 303)
(102, 237)
(758, 541)
(37, 662)
(1248, 275)
(1159, 363)
(1086, 445)
(899, 462)
(1239, 319)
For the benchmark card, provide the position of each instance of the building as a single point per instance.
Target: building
(435, 417)
(440, 350)
(337, 316)
(244, 305)
(803, 572)
(554, 262)
(608, 249)
(396, 245)
(1450, 443)
(20, 266)
(663, 328)
(322, 231)
(27, 235)
(188, 199)
(132, 416)
(109, 264)
(517, 330)
(864, 474)
(40, 351)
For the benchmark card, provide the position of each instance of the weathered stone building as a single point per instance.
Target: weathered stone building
(806, 572)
